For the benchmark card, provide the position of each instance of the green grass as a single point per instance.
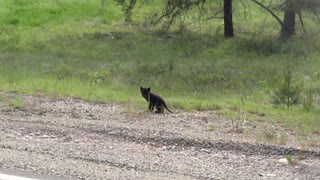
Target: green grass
(62, 48)
(16, 103)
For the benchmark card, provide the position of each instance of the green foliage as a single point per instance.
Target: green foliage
(269, 46)
(64, 71)
(308, 99)
(262, 46)
(16, 103)
(290, 159)
(99, 77)
(175, 9)
(41, 12)
(127, 7)
(288, 91)
(269, 134)
(10, 39)
(211, 128)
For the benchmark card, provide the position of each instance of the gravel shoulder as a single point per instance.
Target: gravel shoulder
(75, 139)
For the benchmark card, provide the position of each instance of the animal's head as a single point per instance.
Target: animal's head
(145, 92)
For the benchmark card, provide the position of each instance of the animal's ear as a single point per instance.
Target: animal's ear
(149, 89)
(141, 88)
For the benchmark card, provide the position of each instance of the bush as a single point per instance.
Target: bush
(287, 91)
(308, 99)
(99, 77)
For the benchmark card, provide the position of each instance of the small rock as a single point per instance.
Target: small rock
(283, 160)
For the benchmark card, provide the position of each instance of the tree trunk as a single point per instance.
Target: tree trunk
(228, 23)
(289, 21)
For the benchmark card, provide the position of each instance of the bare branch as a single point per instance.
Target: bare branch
(269, 10)
(172, 19)
(301, 22)
(175, 8)
(165, 14)
(246, 7)
(214, 16)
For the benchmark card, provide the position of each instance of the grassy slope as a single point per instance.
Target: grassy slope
(60, 48)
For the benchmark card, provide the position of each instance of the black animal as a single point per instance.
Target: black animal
(154, 100)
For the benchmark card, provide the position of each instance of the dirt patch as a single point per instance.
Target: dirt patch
(76, 139)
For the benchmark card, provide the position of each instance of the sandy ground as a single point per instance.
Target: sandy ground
(75, 139)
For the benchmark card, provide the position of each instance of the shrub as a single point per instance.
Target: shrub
(308, 99)
(99, 77)
(288, 90)
(64, 71)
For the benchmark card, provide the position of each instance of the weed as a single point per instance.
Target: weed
(99, 77)
(288, 91)
(290, 160)
(102, 7)
(308, 99)
(64, 71)
(127, 8)
(238, 120)
(242, 115)
(13, 21)
(269, 133)
(16, 103)
(211, 128)
(312, 142)
(41, 111)
(283, 139)
(261, 46)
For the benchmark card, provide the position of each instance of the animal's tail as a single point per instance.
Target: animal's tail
(167, 108)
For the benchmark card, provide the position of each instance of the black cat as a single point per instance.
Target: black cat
(154, 100)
